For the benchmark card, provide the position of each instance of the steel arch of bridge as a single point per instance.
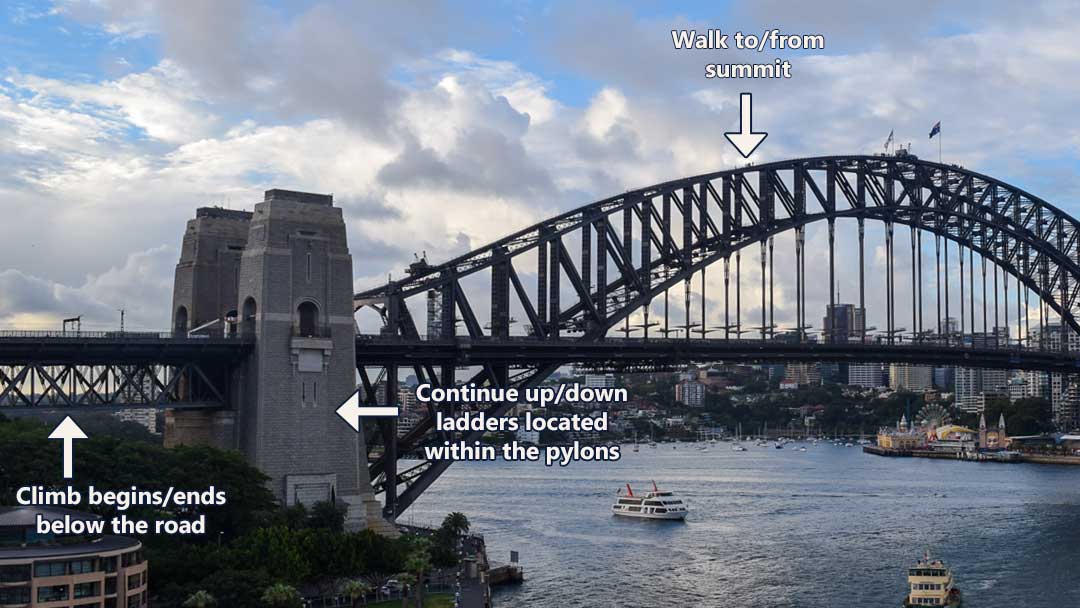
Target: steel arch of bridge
(1027, 237)
(684, 226)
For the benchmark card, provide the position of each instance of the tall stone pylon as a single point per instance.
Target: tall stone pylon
(204, 301)
(293, 296)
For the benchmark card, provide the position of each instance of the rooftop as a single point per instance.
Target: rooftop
(100, 545)
(310, 198)
(27, 516)
(26, 544)
(222, 213)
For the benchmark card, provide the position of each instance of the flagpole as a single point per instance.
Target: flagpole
(939, 146)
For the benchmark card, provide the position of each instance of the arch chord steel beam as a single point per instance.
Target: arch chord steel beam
(1020, 234)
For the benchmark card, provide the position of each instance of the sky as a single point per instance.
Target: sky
(440, 127)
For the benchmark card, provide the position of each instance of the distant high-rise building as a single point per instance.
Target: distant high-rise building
(911, 377)
(1064, 391)
(950, 326)
(843, 322)
(802, 374)
(833, 373)
(690, 392)
(866, 375)
(1037, 384)
(774, 371)
(1025, 385)
(974, 386)
(144, 416)
(945, 378)
(600, 380)
(407, 398)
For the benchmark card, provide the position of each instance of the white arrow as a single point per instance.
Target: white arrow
(69, 431)
(745, 139)
(351, 411)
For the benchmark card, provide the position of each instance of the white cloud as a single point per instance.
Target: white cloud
(161, 101)
(467, 150)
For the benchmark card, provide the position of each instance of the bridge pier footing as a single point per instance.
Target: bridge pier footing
(215, 428)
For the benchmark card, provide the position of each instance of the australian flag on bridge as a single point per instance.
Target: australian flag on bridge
(934, 130)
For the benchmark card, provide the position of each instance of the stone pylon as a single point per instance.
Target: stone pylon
(289, 288)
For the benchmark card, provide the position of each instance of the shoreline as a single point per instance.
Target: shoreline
(973, 456)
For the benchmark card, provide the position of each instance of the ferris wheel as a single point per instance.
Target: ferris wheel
(933, 416)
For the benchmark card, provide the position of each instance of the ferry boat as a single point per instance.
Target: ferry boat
(931, 584)
(658, 504)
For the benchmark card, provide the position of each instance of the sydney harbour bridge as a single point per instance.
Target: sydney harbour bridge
(991, 279)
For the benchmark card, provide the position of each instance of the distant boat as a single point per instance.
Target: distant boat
(658, 504)
(779, 445)
(737, 448)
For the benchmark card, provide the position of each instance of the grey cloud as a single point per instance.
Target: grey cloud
(142, 287)
(376, 258)
(483, 160)
(366, 208)
(332, 60)
(22, 294)
(621, 143)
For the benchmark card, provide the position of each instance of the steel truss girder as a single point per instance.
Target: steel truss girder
(417, 478)
(37, 385)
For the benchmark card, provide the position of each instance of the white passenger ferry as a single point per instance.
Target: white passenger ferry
(931, 584)
(657, 504)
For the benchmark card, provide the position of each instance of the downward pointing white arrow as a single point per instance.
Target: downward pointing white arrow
(351, 411)
(68, 430)
(745, 139)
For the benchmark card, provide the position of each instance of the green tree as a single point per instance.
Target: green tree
(328, 515)
(200, 599)
(354, 590)
(417, 564)
(293, 517)
(238, 588)
(105, 424)
(407, 581)
(279, 550)
(457, 523)
(1027, 416)
(280, 595)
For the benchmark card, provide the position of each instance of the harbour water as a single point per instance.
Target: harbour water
(828, 527)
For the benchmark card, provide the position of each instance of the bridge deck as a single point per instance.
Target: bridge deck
(665, 353)
(99, 348)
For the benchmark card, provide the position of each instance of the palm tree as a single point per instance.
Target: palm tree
(457, 523)
(407, 580)
(281, 595)
(356, 589)
(200, 599)
(417, 564)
